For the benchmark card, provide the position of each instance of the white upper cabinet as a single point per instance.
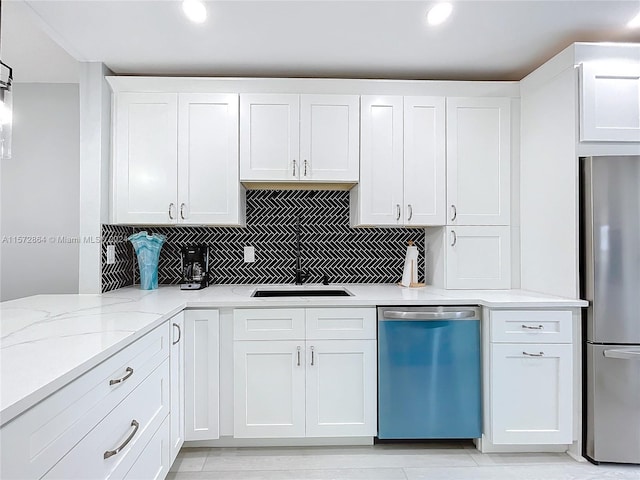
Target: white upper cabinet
(424, 161)
(380, 192)
(403, 162)
(176, 159)
(269, 137)
(478, 161)
(285, 137)
(610, 102)
(208, 186)
(329, 128)
(145, 148)
(478, 257)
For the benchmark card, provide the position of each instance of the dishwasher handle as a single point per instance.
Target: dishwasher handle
(421, 316)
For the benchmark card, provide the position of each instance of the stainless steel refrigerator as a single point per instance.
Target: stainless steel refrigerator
(610, 275)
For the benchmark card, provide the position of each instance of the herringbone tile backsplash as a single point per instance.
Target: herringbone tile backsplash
(328, 245)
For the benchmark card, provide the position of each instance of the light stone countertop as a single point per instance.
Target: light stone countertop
(46, 341)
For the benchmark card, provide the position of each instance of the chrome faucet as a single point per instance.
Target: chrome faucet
(302, 274)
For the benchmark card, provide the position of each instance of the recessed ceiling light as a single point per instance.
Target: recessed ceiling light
(634, 22)
(194, 10)
(439, 13)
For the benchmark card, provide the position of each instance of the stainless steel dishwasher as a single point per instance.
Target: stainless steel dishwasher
(429, 373)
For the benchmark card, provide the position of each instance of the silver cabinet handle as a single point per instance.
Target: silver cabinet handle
(398, 212)
(410, 212)
(182, 211)
(305, 168)
(298, 356)
(626, 354)
(129, 371)
(455, 238)
(312, 356)
(455, 213)
(529, 327)
(541, 354)
(171, 208)
(294, 167)
(111, 453)
(453, 315)
(179, 333)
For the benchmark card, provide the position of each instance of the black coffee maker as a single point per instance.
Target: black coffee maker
(195, 267)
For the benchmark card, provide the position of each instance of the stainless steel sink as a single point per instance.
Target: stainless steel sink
(301, 292)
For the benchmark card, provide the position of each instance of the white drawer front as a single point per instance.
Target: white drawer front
(35, 441)
(531, 326)
(341, 323)
(148, 405)
(153, 463)
(268, 324)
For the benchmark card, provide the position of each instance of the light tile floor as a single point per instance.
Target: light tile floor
(385, 462)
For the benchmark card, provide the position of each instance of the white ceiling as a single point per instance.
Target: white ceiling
(483, 40)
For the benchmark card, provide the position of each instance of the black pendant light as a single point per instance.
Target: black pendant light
(6, 104)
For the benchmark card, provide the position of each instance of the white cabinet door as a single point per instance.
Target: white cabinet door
(381, 161)
(144, 158)
(208, 188)
(329, 137)
(341, 388)
(478, 257)
(269, 137)
(424, 161)
(610, 102)
(478, 161)
(268, 387)
(531, 393)
(177, 385)
(202, 374)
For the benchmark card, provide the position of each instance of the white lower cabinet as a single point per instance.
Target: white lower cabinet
(531, 393)
(530, 385)
(306, 387)
(269, 389)
(177, 385)
(340, 393)
(115, 407)
(202, 374)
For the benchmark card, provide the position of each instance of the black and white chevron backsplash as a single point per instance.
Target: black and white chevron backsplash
(328, 245)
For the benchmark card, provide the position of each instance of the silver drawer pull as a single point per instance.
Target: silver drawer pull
(298, 362)
(312, 357)
(529, 327)
(541, 354)
(129, 371)
(111, 453)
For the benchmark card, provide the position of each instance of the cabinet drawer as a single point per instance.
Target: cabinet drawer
(531, 326)
(36, 440)
(341, 323)
(268, 324)
(147, 406)
(153, 463)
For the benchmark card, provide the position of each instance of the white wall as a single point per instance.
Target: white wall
(40, 192)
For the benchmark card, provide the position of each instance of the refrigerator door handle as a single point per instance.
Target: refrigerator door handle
(627, 354)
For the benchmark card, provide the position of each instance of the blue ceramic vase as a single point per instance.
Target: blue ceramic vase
(147, 248)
